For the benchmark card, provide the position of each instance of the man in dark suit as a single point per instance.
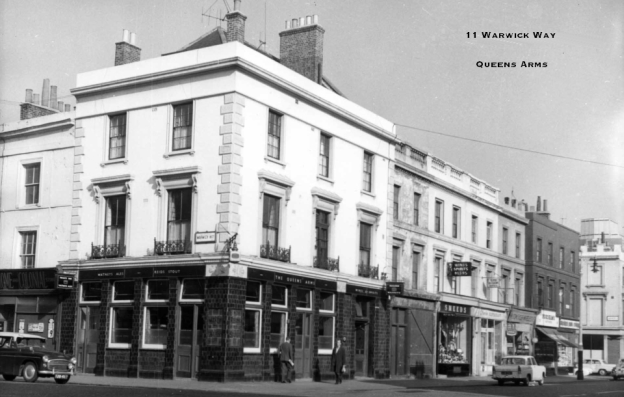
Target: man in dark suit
(338, 361)
(286, 357)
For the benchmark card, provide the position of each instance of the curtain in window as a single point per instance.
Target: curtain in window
(322, 235)
(115, 220)
(117, 144)
(275, 128)
(365, 244)
(179, 217)
(270, 220)
(182, 126)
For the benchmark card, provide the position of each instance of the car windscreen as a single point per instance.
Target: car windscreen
(30, 342)
(513, 361)
(5, 342)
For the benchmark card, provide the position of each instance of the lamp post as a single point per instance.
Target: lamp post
(579, 373)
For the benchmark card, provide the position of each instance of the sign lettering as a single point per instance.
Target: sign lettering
(450, 308)
(205, 237)
(394, 288)
(28, 279)
(459, 269)
(65, 281)
(144, 272)
(290, 279)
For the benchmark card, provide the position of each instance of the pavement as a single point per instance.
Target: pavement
(306, 387)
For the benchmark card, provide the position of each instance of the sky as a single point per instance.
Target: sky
(535, 131)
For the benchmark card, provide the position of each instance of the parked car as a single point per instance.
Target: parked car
(586, 370)
(598, 366)
(25, 355)
(519, 369)
(618, 371)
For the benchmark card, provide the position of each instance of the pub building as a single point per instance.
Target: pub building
(556, 346)
(210, 318)
(32, 302)
(520, 331)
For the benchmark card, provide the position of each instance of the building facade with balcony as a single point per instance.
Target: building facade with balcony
(602, 288)
(36, 169)
(553, 287)
(454, 325)
(224, 199)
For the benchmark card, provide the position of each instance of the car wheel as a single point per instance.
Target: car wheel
(30, 373)
(9, 377)
(602, 372)
(501, 382)
(62, 381)
(541, 382)
(516, 382)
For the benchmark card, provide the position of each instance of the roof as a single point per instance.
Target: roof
(18, 335)
(217, 36)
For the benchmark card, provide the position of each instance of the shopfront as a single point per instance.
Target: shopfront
(568, 332)
(454, 340)
(30, 302)
(490, 326)
(519, 332)
(554, 350)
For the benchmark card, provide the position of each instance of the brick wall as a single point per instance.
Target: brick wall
(103, 323)
(137, 327)
(126, 53)
(301, 49)
(235, 27)
(67, 323)
(169, 363)
(152, 363)
(380, 342)
(31, 111)
(117, 362)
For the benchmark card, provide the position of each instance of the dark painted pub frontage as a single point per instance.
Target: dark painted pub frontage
(207, 319)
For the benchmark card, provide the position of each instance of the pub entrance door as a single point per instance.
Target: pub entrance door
(87, 338)
(303, 345)
(361, 348)
(189, 337)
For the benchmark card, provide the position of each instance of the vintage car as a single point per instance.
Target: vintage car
(598, 366)
(586, 370)
(25, 355)
(519, 369)
(618, 371)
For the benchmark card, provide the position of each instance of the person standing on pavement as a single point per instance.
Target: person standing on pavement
(286, 357)
(338, 361)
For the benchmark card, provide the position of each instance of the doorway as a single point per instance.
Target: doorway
(303, 345)
(189, 336)
(361, 348)
(398, 342)
(87, 338)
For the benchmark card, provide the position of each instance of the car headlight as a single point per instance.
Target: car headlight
(45, 359)
(70, 366)
(73, 360)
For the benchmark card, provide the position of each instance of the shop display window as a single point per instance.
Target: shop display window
(91, 292)
(327, 302)
(121, 327)
(192, 289)
(304, 300)
(278, 329)
(157, 290)
(279, 296)
(155, 327)
(252, 334)
(491, 332)
(326, 333)
(566, 356)
(253, 292)
(123, 291)
(453, 340)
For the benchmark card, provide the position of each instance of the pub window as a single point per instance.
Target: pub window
(157, 290)
(192, 289)
(326, 323)
(121, 327)
(252, 333)
(91, 292)
(123, 291)
(322, 238)
(253, 292)
(365, 249)
(279, 296)
(115, 222)
(270, 221)
(304, 299)
(155, 327)
(279, 316)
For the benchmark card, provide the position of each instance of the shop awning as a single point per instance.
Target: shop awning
(557, 337)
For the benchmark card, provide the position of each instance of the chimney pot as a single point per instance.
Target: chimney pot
(126, 36)
(539, 204)
(532, 208)
(53, 97)
(67, 107)
(295, 23)
(545, 205)
(302, 21)
(237, 5)
(60, 106)
(287, 25)
(45, 93)
(132, 38)
(35, 99)
(29, 95)
(309, 20)
(315, 19)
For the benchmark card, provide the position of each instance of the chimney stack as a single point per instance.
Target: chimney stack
(60, 106)
(53, 97)
(35, 99)
(126, 51)
(539, 204)
(67, 107)
(235, 24)
(45, 93)
(301, 47)
(29, 96)
(545, 207)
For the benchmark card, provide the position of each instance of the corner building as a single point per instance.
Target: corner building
(222, 200)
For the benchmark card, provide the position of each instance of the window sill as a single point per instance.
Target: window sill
(29, 206)
(268, 159)
(190, 152)
(251, 350)
(368, 193)
(325, 352)
(153, 347)
(116, 161)
(324, 178)
(119, 346)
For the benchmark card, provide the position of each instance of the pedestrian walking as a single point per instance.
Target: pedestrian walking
(286, 358)
(338, 361)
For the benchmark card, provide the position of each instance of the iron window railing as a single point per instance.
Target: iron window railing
(168, 247)
(108, 251)
(274, 252)
(368, 271)
(327, 263)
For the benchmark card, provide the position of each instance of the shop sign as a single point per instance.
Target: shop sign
(493, 282)
(563, 323)
(394, 288)
(451, 308)
(459, 269)
(35, 327)
(611, 318)
(355, 290)
(28, 279)
(51, 328)
(144, 272)
(282, 278)
(518, 316)
(511, 329)
(547, 318)
(64, 281)
(205, 237)
(489, 314)
(413, 303)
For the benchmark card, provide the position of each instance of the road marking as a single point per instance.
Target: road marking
(607, 392)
